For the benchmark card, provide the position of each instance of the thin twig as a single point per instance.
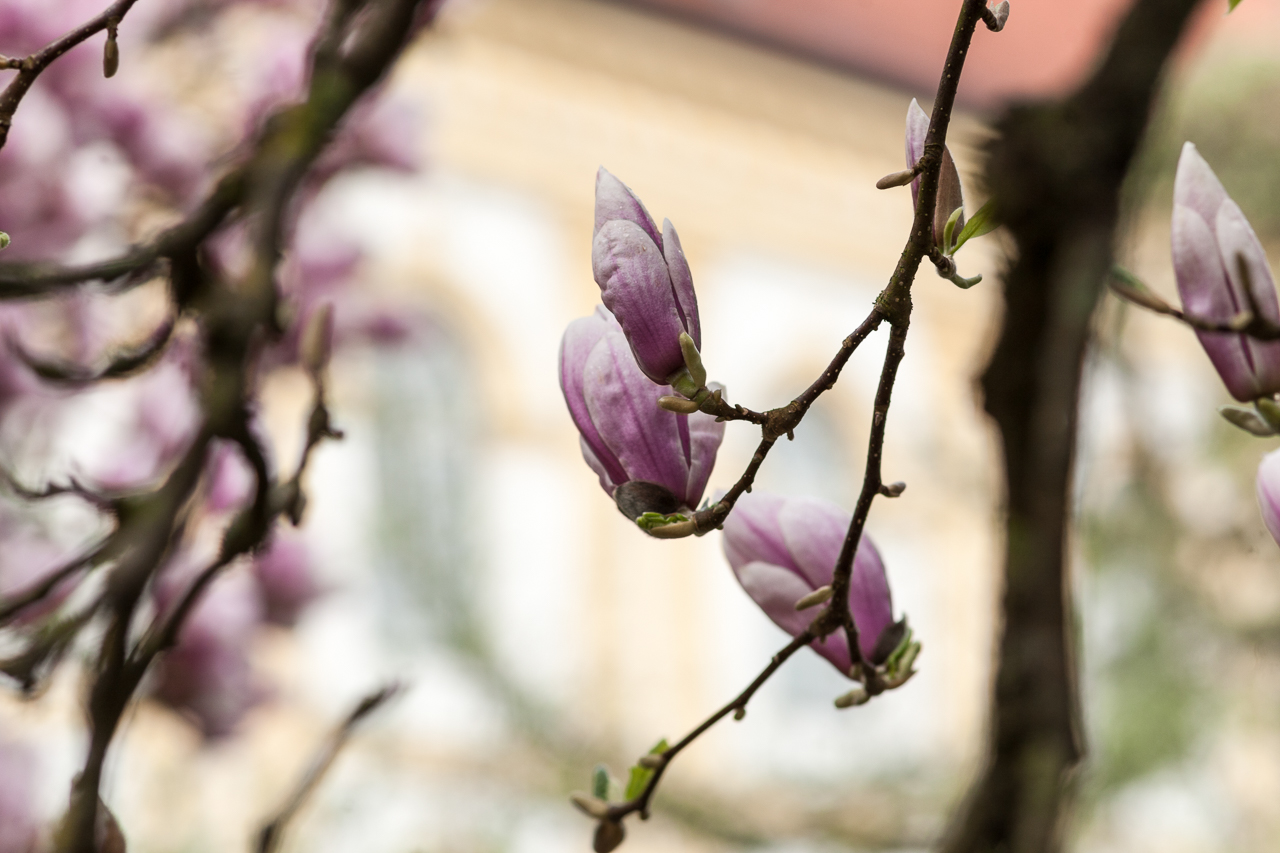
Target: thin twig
(1250, 321)
(30, 67)
(270, 837)
(783, 421)
(895, 303)
(640, 803)
(123, 364)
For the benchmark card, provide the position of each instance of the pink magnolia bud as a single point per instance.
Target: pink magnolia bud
(782, 549)
(647, 458)
(1211, 238)
(1268, 487)
(644, 279)
(950, 193)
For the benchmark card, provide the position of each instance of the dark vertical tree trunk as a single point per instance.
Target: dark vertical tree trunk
(1055, 171)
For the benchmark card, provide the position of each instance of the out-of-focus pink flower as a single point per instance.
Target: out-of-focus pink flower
(1268, 488)
(1211, 237)
(19, 821)
(39, 212)
(286, 579)
(319, 269)
(17, 380)
(165, 423)
(380, 131)
(26, 561)
(782, 549)
(230, 483)
(208, 676)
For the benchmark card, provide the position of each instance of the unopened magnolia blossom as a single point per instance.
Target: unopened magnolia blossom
(648, 459)
(1268, 487)
(950, 193)
(644, 279)
(1211, 240)
(782, 549)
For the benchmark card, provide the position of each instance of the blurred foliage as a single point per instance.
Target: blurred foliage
(1167, 620)
(1146, 695)
(1230, 108)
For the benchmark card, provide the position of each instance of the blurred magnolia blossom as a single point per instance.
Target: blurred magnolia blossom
(285, 578)
(19, 820)
(87, 161)
(229, 478)
(165, 418)
(73, 115)
(208, 676)
(783, 549)
(647, 458)
(1222, 272)
(27, 559)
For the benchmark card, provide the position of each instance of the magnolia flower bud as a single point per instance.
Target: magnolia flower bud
(644, 279)
(783, 550)
(648, 459)
(950, 193)
(1216, 256)
(1268, 485)
(111, 57)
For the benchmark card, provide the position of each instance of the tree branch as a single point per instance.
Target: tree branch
(615, 812)
(1055, 172)
(894, 303)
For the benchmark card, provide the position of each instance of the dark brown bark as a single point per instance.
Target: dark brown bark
(1055, 171)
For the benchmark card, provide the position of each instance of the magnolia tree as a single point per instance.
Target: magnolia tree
(243, 283)
(192, 487)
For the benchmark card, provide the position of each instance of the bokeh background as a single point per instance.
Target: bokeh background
(465, 549)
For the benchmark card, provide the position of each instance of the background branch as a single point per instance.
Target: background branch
(359, 44)
(271, 835)
(1055, 171)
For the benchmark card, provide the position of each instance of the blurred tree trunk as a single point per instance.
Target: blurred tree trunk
(1055, 171)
